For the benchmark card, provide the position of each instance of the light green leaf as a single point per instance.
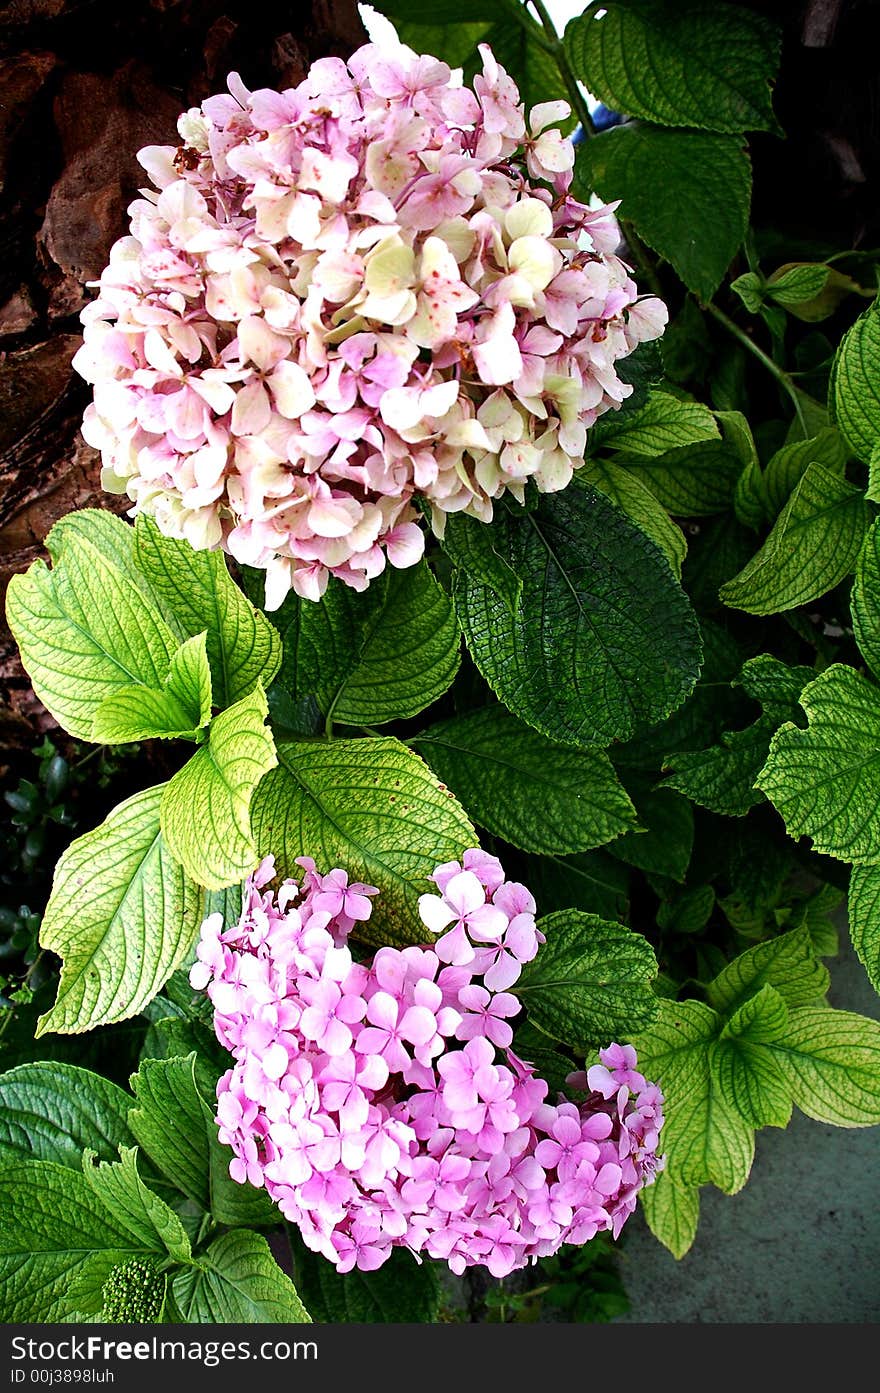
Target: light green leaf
(672, 1212)
(400, 1291)
(520, 786)
(813, 545)
(50, 1111)
(687, 911)
(603, 639)
(148, 1219)
(696, 215)
(705, 1139)
(469, 545)
(788, 465)
(206, 805)
(664, 423)
(788, 964)
(237, 1280)
(692, 481)
(182, 707)
(679, 62)
(372, 806)
(168, 1122)
(863, 905)
(854, 389)
(825, 781)
(830, 1061)
(590, 982)
(243, 647)
(865, 599)
(85, 629)
(640, 504)
(747, 1074)
(797, 283)
(122, 915)
(58, 1242)
(750, 289)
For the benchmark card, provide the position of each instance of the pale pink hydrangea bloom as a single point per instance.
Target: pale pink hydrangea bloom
(380, 1103)
(371, 289)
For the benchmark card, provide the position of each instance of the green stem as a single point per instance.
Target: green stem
(642, 258)
(555, 46)
(774, 369)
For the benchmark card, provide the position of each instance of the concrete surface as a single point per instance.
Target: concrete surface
(801, 1241)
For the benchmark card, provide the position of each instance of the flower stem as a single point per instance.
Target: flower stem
(555, 46)
(782, 377)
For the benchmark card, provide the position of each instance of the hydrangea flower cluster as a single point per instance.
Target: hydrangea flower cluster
(380, 1104)
(369, 289)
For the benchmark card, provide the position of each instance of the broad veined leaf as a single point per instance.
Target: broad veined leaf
(825, 781)
(51, 1111)
(401, 1290)
(372, 806)
(787, 963)
(672, 1211)
(679, 62)
(865, 599)
(813, 545)
(85, 629)
(182, 708)
(122, 915)
(854, 389)
(167, 1119)
(664, 423)
(58, 1241)
(722, 777)
(863, 907)
(747, 1073)
(147, 1218)
(640, 504)
(470, 546)
(789, 464)
(205, 808)
(830, 1061)
(664, 843)
(196, 587)
(590, 982)
(691, 481)
(237, 1281)
(705, 1139)
(603, 638)
(381, 656)
(591, 880)
(696, 215)
(516, 783)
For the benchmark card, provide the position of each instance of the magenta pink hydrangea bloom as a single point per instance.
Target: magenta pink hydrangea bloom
(381, 1105)
(339, 299)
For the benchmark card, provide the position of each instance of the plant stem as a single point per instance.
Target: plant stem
(557, 48)
(642, 257)
(774, 369)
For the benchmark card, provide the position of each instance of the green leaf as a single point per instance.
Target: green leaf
(236, 1280)
(122, 915)
(604, 637)
(722, 777)
(206, 805)
(243, 647)
(376, 657)
(372, 806)
(401, 1291)
(182, 707)
(797, 282)
(149, 1220)
(687, 911)
(590, 880)
(696, 215)
(705, 1139)
(854, 389)
(788, 465)
(865, 599)
(50, 1111)
(679, 62)
(85, 629)
(664, 845)
(664, 423)
(863, 906)
(748, 1076)
(641, 505)
(58, 1242)
(168, 1121)
(750, 289)
(825, 781)
(788, 964)
(830, 1061)
(590, 982)
(692, 481)
(469, 545)
(513, 781)
(672, 1212)
(812, 546)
